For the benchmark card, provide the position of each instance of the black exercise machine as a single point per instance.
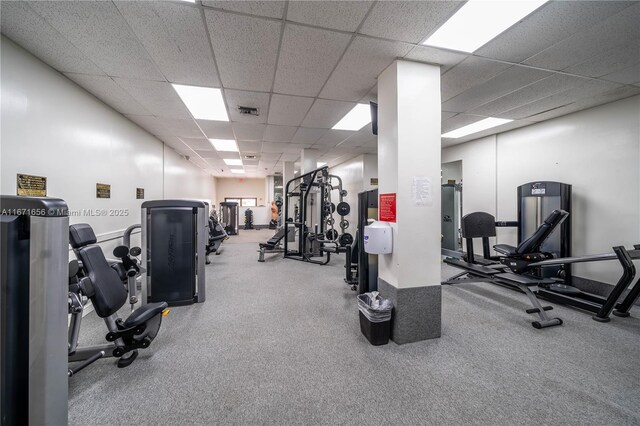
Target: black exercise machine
(527, 259)
(103, 285)
(311, 194)
(483, 225)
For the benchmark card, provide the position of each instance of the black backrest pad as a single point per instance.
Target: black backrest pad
(534, 242)
(81, 235)
(478, 225)
(110, 294)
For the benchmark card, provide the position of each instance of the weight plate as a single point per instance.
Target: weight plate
(346, 239)
(333, 208)
(343, 208)
(344, 192)
(331, 234)
(330, 221)
(344, 224)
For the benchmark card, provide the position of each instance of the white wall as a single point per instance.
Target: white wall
(51, 127)
(596, 150)
(243, 187)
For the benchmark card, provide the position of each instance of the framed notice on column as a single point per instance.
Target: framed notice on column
(387, 207)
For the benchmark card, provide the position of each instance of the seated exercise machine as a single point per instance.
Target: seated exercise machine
(483, 225)
(527, 263)
(217, 235)
(94, 279)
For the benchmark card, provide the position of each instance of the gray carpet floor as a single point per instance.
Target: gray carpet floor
(279, 343)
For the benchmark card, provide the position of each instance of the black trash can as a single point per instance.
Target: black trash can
(375, 318)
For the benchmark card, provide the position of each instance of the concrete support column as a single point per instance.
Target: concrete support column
(409, 166)
(308, 160)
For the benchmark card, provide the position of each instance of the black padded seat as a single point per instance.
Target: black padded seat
(110, 294)
(534, 242)
(145, 313)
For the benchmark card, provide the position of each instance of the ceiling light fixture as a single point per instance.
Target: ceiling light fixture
(319, 164)
(476, 127)
(232, 161)
(478, 22)
(237, 171)
(355, 119)
(204, 103)
(228, 145)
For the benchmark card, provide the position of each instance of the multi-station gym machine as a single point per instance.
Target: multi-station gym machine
(309, 212)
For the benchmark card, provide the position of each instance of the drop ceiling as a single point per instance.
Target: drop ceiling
(304, 64)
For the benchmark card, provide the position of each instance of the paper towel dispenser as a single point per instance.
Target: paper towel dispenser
(378, 238)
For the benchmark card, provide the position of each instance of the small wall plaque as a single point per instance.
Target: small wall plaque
(103, 190)
(31, 186)
(140, 193)
(374, 181)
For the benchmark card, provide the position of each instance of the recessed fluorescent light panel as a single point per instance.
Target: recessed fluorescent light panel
(204, 103)
(355, 119)
(237, 171)
(479, 21)
(476, 127)
(320, 164)
(232, 162)
(224, 145)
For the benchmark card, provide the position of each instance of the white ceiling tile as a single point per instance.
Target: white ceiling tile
(185, 128)
(360, 66)
(372, 96)
(619, 58)
(306, 135)
(410, 21)
(216, 129)
(499, 129)
(274, 148)
(288, 110)
(432, 55)
(333, 137)
(271, 9)
(325, 113)
(175, 37)
(248, 131)
(469, 73)
(175, 143)
(279, 133)
(269, 156)
(458, 121)
(359, 138)
(337, 15)
(589, 102)
(584, 90)
(630, 75)
(208, 155)
(551, 23)
(250, 146)
(510, 80)
(541, 89)
(307, 57)
(592, 41)
(157, 97)
(198, 144)
(445, 115)
(245, 48)
(237, 98)
(105, 89)
(151, 124)
(98, 30)
(25, 27)
(290, 157)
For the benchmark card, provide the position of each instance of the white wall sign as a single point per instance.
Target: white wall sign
(421, 191)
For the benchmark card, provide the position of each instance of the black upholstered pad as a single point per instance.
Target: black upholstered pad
(81, 235)
(110, 294)
(144, 313)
